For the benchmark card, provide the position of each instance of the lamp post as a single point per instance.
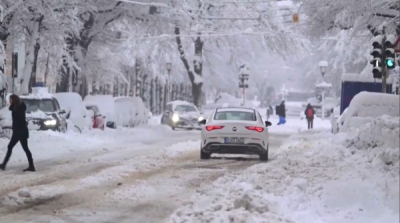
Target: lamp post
(322, 66)
(168, 65)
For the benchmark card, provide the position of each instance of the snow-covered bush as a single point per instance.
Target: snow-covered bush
(367, 105)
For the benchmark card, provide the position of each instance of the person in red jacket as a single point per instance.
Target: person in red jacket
(309, 112)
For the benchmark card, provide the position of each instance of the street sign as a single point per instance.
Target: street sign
(243, 86)
(397, 45)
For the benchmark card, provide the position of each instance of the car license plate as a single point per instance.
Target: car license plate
(234, 140)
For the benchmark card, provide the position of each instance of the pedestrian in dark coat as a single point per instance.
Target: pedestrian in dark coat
(281, 112)
(20, 132)
(310, 112)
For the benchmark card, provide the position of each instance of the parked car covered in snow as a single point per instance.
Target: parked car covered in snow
(120, 111)
(130, 112)
(72, 102)
(182, 115)
(43, 112)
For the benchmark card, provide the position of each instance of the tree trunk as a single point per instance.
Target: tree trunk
(198, 65)
(30, 57)
(34, 68)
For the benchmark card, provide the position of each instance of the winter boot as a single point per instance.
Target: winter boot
(3, 166)
(30, 169)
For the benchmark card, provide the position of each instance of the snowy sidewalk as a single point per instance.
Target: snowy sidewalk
(316, 177)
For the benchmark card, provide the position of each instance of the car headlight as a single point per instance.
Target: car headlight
(175, 118)
(200, 118)
(50, 122)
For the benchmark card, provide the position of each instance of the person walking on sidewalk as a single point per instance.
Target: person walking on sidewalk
(309, 112)
(280, 110)
(20, 132)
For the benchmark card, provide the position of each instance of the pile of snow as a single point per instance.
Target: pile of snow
(368, 105)
(316, 177)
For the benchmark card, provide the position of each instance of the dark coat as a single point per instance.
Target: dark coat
(306, 112)
(19, 124)
(281, 110)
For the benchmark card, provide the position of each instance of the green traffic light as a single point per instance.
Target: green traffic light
(389, 63)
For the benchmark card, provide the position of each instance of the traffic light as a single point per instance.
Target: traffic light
(389, 52)
(377, 56)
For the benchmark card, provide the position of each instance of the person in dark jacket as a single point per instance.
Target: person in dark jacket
(281, 112)
(310, 112)
(20, 132)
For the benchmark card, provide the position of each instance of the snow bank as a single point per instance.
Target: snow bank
(315, 177)
(366, 105)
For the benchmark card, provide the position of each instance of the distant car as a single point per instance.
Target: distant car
(181, 115)
(96, 117)
(42, 113)
(235, 131)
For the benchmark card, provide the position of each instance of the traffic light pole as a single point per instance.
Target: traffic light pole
(384, 69)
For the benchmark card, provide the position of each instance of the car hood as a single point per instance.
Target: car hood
(188, 115)
(38, 115)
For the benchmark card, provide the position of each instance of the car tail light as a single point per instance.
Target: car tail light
(213, 127)
(255, 128)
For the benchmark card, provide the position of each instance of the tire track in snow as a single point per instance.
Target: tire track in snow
(68, 205)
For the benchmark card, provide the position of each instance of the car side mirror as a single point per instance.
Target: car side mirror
(267, 123)
(202, 122)
(62, 112)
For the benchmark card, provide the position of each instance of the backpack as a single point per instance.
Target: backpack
(310, 113)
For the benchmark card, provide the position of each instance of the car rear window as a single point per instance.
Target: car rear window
(235, 115)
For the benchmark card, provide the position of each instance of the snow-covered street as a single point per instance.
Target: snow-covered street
(144, 177)
(154, 174)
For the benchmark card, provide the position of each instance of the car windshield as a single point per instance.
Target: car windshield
(185, 108)
(45, 105)
(235, 115)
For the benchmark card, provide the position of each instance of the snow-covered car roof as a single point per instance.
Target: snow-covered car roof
(235, 109)
(38, 93)
(176, 103)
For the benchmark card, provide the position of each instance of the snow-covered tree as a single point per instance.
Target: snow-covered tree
(341, 32)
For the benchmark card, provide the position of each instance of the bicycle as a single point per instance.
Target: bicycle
(6, 132)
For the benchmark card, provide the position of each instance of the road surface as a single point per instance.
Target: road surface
(140, 184)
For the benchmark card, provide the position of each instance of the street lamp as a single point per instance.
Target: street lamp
(168, 65)
(323, 65)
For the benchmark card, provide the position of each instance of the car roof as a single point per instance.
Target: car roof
(240, 109)
(176, 103)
